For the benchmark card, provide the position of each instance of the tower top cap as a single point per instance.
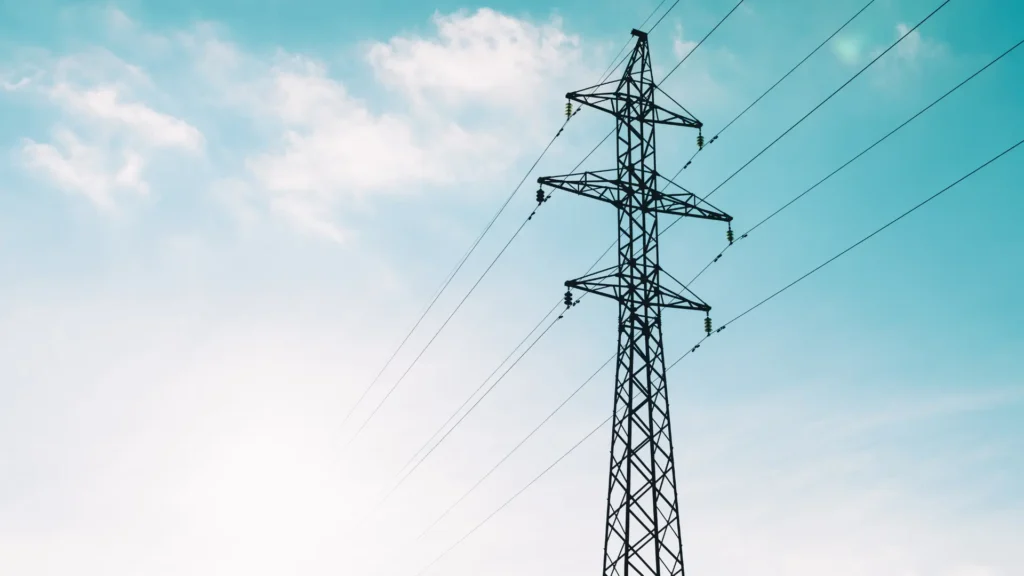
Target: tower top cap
(639, 34)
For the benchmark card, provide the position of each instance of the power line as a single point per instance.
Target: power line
(463, 301)
(741, 237)
(813, 110)
(773, 86)
(862, 240)
(471, 408)
(610, 133)
(451, 275)
(515, 448)
(798, 122)
(640, 295)
(473, 394)
(829, 97)
(516, 495)
(674, 68)
(437, 333)
(482, 384)
(694, 49)
(798, 280)
(735, 319)
(859, 155)
(608, 71)
(611, 67)
(670, 8)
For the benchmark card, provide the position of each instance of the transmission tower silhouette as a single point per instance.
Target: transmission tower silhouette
(642, 535)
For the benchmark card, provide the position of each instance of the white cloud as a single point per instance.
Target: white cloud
(906, 61)
(93, 66)
(237, 198)
(91, 170)
(910, 47)
(914, 46)
(333, 146)
(467, 100)
(848, 48)
(450, 110)
(854, 50)
(105, 104)
(696, 85)
(105, 136)
(309, 216)
(486, 58)
(18, 85)
(118, 20)
(680, 46)
(19, 76)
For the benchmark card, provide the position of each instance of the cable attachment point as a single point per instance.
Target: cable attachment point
(707, 325)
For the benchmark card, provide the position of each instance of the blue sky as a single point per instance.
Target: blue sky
(217, 220)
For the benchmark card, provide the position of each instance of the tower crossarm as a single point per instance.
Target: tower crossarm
(605, 185)
(609, 283)
(602, 283)
(613, 101)
(602, 185)
(686, 204)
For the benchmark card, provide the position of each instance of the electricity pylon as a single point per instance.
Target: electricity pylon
(642, 536)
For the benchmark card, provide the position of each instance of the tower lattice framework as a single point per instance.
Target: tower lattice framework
(642, 535)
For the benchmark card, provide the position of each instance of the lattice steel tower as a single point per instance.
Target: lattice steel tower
(642, 535)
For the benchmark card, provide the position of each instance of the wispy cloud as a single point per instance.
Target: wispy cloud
(484, 59)
(103, 138)
(464, 103)
(106, 105)
(17, 85)
(468, 96)
(914, 50)
(91, 170)
(334, 151)
(680, 46)
(914, 46)
(698, 83)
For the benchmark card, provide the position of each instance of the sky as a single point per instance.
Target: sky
(219, 219)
